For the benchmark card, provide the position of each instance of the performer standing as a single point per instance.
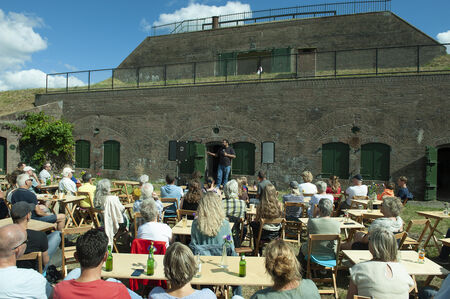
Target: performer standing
(225, 154)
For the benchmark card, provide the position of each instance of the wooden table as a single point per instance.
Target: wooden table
(408, 258)
(178, 229)
(33, 224)
(351, 224)
(48, 188)
(124, 264)
(69, 203)
(358, 214)
(364, 202)
(445, 242)
(437, 216)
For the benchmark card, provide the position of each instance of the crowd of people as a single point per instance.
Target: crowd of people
(218, 210)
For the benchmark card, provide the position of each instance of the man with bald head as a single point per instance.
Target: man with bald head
(15, 282)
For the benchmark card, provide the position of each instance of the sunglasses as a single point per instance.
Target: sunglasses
(24, 242)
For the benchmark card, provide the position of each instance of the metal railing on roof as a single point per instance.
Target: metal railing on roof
(262, 66)
(296, 12)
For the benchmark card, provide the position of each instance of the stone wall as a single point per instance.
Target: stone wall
(405, 112)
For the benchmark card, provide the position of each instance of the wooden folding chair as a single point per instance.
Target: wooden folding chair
(170, 218)
(136, 221)
(400, 237)
(354, 204)
(293, 229)
(361, 297)
(181, 213)
(124, 196)
(89, 215)
(37, 255)
(314, 266)
(259, 243)
(68, 251)
(243, 249)
(412, 243)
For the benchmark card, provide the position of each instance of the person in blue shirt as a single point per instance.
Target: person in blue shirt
(403, 192)
(171, 191)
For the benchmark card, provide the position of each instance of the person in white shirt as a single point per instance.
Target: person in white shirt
(358, 189)
(313, 211)
(45, 175)
(66, 184)
(152, 229)
(307, 187)
(35, 184)
(383, 277)
(16, 282)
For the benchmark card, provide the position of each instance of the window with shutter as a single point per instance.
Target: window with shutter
(244, 163)
(281, 60)
(375, 161)
(335, 159)
(111, 155)
(82, 154)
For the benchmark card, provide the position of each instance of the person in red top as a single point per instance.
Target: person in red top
(91, 253)
(388, 191)
(334, 187)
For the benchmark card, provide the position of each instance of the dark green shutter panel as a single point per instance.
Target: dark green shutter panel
(199, 157)
(111, 155)
(2, 155)
(227, 64)
(335, 159)
(375, 161)
(187, 167)
(430, 173)
(82, 154)
(281, 60)
(244, 163)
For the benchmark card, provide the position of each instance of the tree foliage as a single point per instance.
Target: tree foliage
(44, 138)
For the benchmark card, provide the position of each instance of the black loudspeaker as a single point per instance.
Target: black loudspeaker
(172, 150)
(182, 147)
(268, 152)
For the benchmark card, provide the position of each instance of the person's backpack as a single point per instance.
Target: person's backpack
(53, 275)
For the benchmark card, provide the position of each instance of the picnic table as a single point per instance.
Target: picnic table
(437, 216)
(408, 258)
(33, 224)
(69, 204)
(180, 229)
(445, 241)
(212, 274)
(365, 202)
(350, 224)
(359, 214)
(49, 188)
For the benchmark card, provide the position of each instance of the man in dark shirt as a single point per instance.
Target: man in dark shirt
(23, 194)
(263, 182)
(36, 241)
(403, 191)
(225, 154)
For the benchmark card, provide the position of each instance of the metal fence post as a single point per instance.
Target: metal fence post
(46, 83)
(165, 74)
(89, 80)
(296, 65)
(194, 68)
(335, 63)
(226, 70)
(67, 82)
(376, 61)
(112, 78)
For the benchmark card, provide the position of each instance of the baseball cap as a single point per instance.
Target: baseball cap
(293, 185)
(66, 171)
(21, 209)
(358, 177)
(26, 168)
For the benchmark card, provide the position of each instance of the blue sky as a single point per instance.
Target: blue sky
(48, 36)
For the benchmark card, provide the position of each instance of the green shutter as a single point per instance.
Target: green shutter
(281, 60)
(187, 167)
(335, 159)
(227, 64)
(430, 173)
(375, 161)
(2, 156)
(199, 157)
(82, 154)
(111, 155)
(244, 163)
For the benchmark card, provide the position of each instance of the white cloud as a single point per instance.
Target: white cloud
(197, 10)
(18, 40)
(145, 26)
(34, 78)
(444, 38)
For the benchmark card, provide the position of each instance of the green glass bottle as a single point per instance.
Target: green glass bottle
(242, 266)
(109, 260)
(151, 261)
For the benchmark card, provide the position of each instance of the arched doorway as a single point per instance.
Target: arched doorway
(443, 173)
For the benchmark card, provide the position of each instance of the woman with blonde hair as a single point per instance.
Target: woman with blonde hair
(210, 227)
(284, 268)
(307, 187)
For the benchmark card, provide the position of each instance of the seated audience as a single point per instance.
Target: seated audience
(20, 166)
(391, 209)
(87, 186)
(233, 206)
(40, 212)
(191, 199)
(211, 186)
(243, 189)
(284, 269)
(152, 229)
(179, 268)
(171, 190)
(387, 192)
(262, 183)
(91, 253)
(383, 277)
(334, 186)
(67, 185)
(269, 208)
(210, 226)
(44, 175)
(37, 241)
(294, 195)
(307, 187)
(357, 189)
(322, 250)
(113, 210)
(321, 193)
(148, 194)
(142, 180)
(403, 191)
(445, 252)
(16, 282)
(429, 292)
(12, 180)
(35, 183)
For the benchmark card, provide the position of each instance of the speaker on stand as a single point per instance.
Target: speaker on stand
(267, 154)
